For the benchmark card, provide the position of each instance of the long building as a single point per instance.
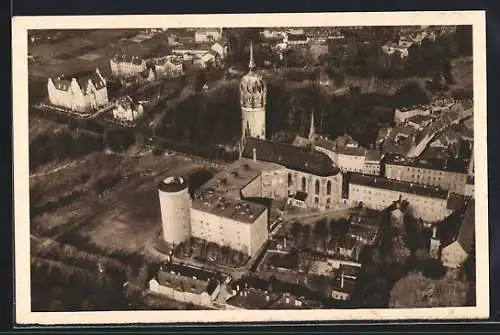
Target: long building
(123, 66)
(449, 174)
(427, 202)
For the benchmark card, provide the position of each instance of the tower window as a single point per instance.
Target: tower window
(316, 187)
(304, 184)
(290, 180)
(329, 187)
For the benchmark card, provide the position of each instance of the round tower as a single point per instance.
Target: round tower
(175, 206)
(253, 96)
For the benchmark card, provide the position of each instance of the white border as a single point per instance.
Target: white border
(21, 169)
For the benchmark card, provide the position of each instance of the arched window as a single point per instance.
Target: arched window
(328, 203)
(304, 184)
(329, 187)
(290, 182)
(316, 187)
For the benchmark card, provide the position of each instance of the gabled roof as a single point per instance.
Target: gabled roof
(291, 157)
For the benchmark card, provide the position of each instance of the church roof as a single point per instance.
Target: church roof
(292, 157)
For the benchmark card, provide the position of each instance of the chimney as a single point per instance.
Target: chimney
(434, 232)
(254, 154)
(342, 280)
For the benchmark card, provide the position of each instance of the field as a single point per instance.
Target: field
(84, 51)
(116, 209)
(39, 126)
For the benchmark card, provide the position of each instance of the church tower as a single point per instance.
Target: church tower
(253, 99)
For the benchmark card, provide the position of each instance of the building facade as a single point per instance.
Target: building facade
(237, 224)
(205, 35)
(447, 174)
(187, 284)
(427, 203)
(175, 206)
(126, 66)
(82, 92)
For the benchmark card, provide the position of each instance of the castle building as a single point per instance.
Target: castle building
(82, 92)
(253, 99)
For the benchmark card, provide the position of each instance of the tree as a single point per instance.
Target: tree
(296, 230)
(321, 231)
(415, 290)
(118, 139)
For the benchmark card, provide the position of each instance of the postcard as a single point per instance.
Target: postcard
(250, 168)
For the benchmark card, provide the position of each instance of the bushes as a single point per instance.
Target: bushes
(62, 145)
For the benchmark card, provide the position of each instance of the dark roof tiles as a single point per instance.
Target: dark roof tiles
(291, 157)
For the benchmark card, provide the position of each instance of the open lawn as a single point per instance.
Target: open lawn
(125, 215)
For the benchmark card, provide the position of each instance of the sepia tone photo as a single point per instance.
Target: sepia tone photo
(208, 168)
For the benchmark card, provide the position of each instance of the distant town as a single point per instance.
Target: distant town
(247, 168)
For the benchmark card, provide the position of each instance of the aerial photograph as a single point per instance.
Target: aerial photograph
(273, 168)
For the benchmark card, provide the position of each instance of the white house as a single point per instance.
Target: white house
(81, 92)
(127, 110)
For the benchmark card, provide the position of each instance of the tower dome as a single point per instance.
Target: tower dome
(253, 96)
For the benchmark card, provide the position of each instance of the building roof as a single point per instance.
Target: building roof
(456, 202)
(350, 270)
(297, 37)
(187, 278)
(373, 156)
(126, 58)
(207, 30)
(243, 211)
(440, 164)
(292, 157)
(84, 78)
(419, 119)
(172, 184)
(348, 287)
(397, 186)
(466, 234)
(230, 181)
(342, 145)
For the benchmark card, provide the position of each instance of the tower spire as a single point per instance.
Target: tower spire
(251, 64)
(311, 129)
